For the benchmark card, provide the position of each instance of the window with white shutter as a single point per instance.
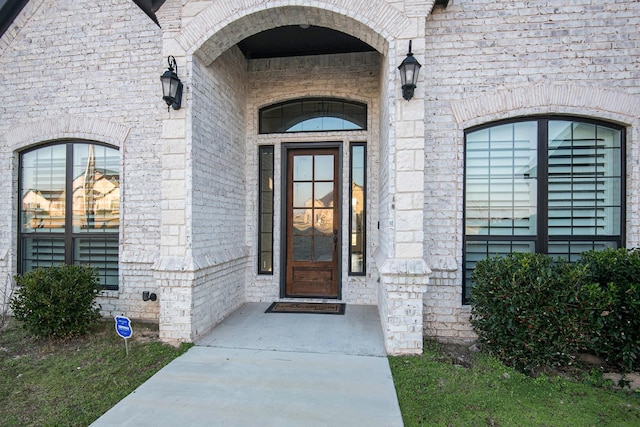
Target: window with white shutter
(547, 185)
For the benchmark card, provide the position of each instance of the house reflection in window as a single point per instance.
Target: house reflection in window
(357, 218)
(70, 210)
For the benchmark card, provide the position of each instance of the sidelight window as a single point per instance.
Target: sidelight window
(265, 202)
(357, 212)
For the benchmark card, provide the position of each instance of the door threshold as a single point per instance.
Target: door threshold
(312, 300)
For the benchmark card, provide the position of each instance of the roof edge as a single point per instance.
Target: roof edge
(9, 10)
(150, 7)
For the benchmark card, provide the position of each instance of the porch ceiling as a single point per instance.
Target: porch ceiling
(298, 40)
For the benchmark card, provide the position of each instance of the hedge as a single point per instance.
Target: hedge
(533, 311)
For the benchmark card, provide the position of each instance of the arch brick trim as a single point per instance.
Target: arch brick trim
(547, 99)
(377, 15)
(68, 127)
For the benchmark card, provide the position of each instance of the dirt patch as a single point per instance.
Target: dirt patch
(16, 342)
(145, 332)
(631, 380)
(464, 355)
(458, 354)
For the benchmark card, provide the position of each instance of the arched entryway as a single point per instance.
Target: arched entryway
(209, 259)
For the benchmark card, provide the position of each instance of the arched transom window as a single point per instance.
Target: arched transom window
(313, 115)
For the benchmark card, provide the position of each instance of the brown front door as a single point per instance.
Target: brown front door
(312, 228)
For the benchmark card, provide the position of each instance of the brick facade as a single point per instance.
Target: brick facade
(78, 71)
(491, 61)
(189, 177)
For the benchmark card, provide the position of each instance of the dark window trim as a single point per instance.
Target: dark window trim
(364, 209)
(68, 236)
(541, 239)
(262, 149)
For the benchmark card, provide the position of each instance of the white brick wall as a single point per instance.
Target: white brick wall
(493, 60)
(77, 70)
(204, 254)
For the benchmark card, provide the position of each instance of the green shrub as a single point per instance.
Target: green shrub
(57, 302)
(520, 309)
(611, 305)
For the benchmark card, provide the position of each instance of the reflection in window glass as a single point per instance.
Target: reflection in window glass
(313, 207)
(501, 182)
(547, 185)
(43, 182)
(70, 210)
(96, 189)
(357, 212)
(313, 115)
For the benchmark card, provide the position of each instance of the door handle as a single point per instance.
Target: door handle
(335, 239)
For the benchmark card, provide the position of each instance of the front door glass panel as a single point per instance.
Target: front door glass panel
(312, 223)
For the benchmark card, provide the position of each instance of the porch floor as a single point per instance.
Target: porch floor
(272, 369)
(356, 332)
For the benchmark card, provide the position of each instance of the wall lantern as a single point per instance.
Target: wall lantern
(409, 70)
(171, 85)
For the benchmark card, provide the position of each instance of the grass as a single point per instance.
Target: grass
(436, 389)
(72, 383)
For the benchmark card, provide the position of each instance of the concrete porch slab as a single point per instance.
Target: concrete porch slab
(356, 332)
(272, 369)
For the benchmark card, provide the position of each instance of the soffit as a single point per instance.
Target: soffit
(296, 40)
(9, 10)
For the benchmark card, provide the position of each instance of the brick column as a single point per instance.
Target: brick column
(403, 283)
(175, 270)
(404, 275)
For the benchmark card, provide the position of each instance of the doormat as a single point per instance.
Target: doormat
(306, 307)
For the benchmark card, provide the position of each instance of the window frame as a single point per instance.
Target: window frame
(541, 238)
(69, 237)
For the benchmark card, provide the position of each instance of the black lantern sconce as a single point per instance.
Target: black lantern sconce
(171, 85)
(409, 70)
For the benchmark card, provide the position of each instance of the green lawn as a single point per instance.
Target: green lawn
(72, 383)
(436, 389)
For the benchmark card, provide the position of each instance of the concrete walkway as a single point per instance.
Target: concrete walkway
(272, 369)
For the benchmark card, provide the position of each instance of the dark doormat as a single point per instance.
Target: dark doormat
(306, 307)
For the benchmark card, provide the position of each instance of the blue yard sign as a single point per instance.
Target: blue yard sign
(123, 328)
